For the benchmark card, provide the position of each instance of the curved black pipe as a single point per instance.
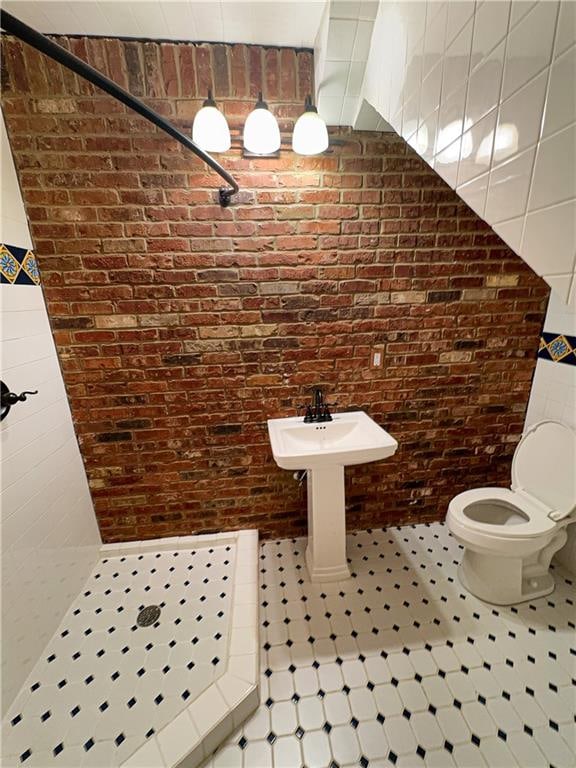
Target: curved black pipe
(43, 44)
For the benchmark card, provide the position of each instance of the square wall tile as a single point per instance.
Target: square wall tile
(520, 118)
(511, 232)
(414, 15)
(529, 46)
(353, 88)
(341, 37)
(490, 27)
(561, 101)
(555, 171)
(426, 137)
(446, 162)
(476, 149)
(430, 92)
(509, 187)
(397, 75)
(572, 304)
(457, 61)
(368, 9)
(346, 9)
(484, 85)
(410, 116)
(459, 12)
(332, 90)
(451, 118)
(559, 315)
(362, 40)
(566, 33)
(544, 251)
(474, 194)
(519, 9)
(435, 36)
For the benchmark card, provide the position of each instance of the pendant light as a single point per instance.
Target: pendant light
(310, 135)
(210, 129)
(261, 132)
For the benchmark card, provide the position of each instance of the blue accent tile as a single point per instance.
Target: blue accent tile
(18, 266)
(558, 348)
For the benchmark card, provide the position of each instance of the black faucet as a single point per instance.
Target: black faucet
(318, 410)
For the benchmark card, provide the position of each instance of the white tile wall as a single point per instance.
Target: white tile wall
(50, 538)
(553, 396)
(484, 91)
(553, 393)
(340, 54)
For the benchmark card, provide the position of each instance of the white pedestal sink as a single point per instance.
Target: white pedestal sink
(324, 449)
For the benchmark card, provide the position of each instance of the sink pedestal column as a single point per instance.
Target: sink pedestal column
(326, 550)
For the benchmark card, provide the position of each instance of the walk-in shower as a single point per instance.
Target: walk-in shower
(156, 659)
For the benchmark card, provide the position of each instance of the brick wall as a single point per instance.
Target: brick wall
(182, 327)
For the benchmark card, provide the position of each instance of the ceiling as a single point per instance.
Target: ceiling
(265, 22)
(339, 31)
(340, 53)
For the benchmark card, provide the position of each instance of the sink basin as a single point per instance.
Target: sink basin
(324, 450)
(351, 438)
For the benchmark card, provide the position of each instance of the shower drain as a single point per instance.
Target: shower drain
(148, 615)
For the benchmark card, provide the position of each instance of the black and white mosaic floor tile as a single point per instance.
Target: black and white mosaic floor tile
(399, 666)
(106, 684)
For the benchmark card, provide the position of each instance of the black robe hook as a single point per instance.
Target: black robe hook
(8, 399)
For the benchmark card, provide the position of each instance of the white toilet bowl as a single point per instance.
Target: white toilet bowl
(510, 535)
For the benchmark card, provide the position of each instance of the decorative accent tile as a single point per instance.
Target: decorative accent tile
(18, 266)
(557, 347)
(9, 265)
(30, 267)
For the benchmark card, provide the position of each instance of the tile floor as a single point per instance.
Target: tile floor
(104, 684)
(399, 666)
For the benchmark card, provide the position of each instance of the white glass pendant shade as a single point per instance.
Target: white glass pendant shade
(210, 128)
(261, 132)
(310, 135)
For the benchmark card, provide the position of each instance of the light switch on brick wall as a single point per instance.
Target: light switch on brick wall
(377, 357)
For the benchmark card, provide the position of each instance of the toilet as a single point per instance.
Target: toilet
(510, 535)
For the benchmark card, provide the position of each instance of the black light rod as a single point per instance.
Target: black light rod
(43, 44)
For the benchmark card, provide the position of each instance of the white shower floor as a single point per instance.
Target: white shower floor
(104, 685)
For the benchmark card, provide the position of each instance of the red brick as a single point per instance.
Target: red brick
(239, 86)
(221, 70)
(272, 70)
(255, 76)
(299, 243)
(288, 74)
(94, 196)
(169, 69)
(204, 81)
(117, 63)
(15, 68)
(305, 74)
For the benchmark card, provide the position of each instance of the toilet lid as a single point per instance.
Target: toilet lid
(544, 465)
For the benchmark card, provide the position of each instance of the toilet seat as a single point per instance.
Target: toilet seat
(542, 490)
(538, 522)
